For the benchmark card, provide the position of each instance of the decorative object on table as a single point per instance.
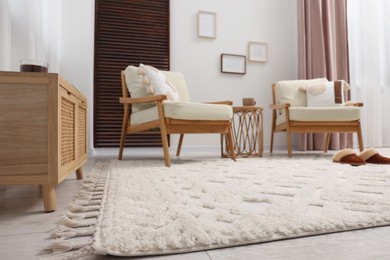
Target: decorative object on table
(233, 63)
(207, 24)
(247, 127)
(248, 102)
(138, 208)
(257, 51)
(28, 65)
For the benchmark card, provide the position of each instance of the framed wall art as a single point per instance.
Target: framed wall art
(207, 24)
(257, 51)
(232, 63)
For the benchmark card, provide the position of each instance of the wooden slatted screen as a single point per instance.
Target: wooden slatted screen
(127, 32)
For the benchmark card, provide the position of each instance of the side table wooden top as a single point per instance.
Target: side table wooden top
(247, 108)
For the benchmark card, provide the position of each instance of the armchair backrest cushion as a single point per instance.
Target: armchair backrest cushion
(290, 91)
(178, 80)
(137, 88)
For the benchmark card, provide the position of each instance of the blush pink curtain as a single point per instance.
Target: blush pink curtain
(323, 52)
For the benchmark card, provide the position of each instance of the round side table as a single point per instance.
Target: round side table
(247, 129)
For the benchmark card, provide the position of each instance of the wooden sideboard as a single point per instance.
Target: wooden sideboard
(43, 131)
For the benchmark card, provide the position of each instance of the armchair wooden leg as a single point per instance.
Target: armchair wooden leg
(231, 146)
(360, 139)
(121, 144)
(272, 141)
(222, 145)
(289, 143)
(327, 142)
(124, 129)
(179, 145)
(164, 137)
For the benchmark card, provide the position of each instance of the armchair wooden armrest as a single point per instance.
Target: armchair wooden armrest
(142, 99)
(279, 106)
(226, 102)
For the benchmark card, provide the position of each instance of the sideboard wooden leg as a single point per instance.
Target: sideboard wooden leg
(49, 197)
(79, 173)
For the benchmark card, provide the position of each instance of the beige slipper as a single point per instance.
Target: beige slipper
(372, 156)
(348, 156)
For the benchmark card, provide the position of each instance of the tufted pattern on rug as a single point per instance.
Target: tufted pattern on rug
(148, 209)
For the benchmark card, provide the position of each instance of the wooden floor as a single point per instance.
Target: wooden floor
(25, 228)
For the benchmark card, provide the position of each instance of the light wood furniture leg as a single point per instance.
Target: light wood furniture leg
(289, 142)
(179, 146)
(288, 132)
(124, 129)
(271, 146)
(222, 149)
(261, 139)
(49, 197)
(79, 173)
(327, 142)
(163, 132)
(360, 139)
(231, 146)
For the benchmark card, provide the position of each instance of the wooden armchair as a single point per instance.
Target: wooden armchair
(291, 114)
(181, 117)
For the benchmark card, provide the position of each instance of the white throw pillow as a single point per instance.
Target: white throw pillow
(327, 94)
(156, 83)
(136, 88)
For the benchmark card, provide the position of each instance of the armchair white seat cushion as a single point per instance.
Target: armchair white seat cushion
(184, 111)
(324, 113)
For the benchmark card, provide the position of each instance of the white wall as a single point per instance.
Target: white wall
(77, 50)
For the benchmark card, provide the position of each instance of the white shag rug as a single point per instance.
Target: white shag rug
(132, 208)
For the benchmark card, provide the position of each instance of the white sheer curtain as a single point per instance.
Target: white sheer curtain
(30, 29)
(369, 55)
(5, 35)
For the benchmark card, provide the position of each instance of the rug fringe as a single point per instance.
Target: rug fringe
(65, 232)
(76, 223)
(62, 251)
(82, 215)
(78, 208)
(60, 246)
(74, 231)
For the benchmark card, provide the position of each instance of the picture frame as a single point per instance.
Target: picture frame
(257, 51)
(207, 24)
(233, 63)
